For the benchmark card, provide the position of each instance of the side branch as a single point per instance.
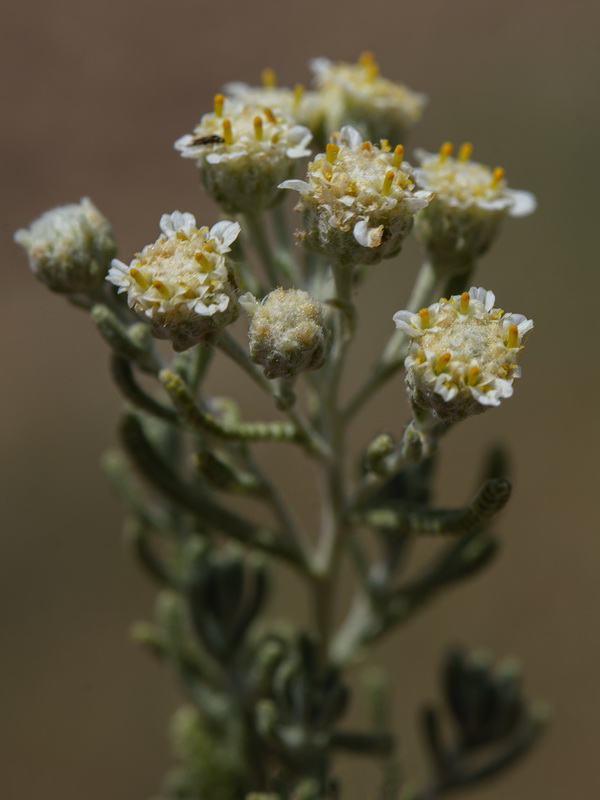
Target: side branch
(490, 499)
(200, 420)
(161, 475)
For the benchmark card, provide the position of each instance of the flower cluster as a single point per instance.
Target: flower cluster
(355, 94)
(470, 202)
(358, 201)
(463, 357)
(183, 283)
(70, 247)
(244, 152)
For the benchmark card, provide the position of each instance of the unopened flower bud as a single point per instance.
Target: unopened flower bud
(183, 284)
(378, 451)
(287, 333)
(70, 248)
(463, 358)
(417, 443)
(358, 201)
(471, 200)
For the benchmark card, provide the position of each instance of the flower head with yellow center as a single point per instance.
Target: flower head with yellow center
(470, 202)
(244, 152)
(357, 95)
(302, 106)
(358, 201)
(184, 282)
(463, 357)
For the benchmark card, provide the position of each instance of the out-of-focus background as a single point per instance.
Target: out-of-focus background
(93, 96)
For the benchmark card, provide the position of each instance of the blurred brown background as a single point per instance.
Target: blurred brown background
(93, 96)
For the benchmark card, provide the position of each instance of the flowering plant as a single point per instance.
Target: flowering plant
(266, 702)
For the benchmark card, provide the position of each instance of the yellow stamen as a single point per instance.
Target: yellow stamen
(497, 176)
(473, 375)
(425, 318)
(203, 261)
(258, 129)
(227, 133)
(366, 58)
(218, 102)
(398, 156)
(442, 363)
(139, 278)
(269, 79)
(387, 182)
(352, 189)
(465, 152)
(384, 145)
(269, 115)
(365, 146)
(298, 95)
(513, 336)
(161, 288)
(446, 150)
(464, 302)
(188, 293)
(331, 152)
(368, 63)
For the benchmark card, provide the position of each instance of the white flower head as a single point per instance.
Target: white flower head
(298, 104)
(183, 284)
(356, 94)
(471, 200)
(287, 332)
(244, 152)
(70, 247)
(463, 356)
(359, 200)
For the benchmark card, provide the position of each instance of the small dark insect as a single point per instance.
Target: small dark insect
(209, 140)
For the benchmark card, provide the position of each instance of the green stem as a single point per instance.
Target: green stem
(313, 441)
(333, 524)
(288, 524)
(255, 225)
(285, 257)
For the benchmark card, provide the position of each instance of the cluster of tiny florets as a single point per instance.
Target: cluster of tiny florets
(463, 357)
(183, 283)
(471, 200)
(357, 95)
(244, 151)
(287, 332)
(300, 105)
(359, 200)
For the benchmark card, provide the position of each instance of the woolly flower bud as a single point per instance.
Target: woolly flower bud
(244, 152)
(470, 202)
(358, 201)
(355, 94)
(463, 358)
(183, 283)
(287, 333)
(70, 248)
